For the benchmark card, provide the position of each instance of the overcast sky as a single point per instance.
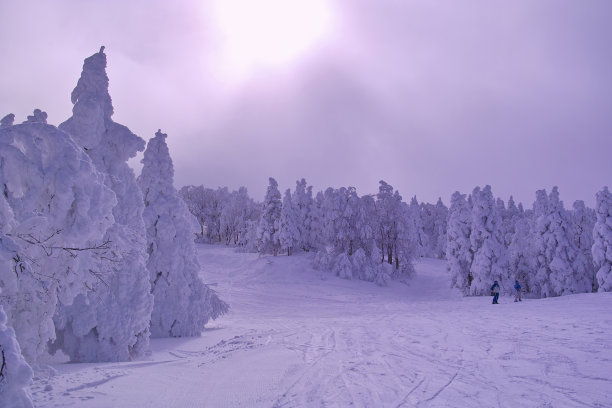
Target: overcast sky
(430, 96)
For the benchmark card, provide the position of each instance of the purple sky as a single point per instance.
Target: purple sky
(431, 96)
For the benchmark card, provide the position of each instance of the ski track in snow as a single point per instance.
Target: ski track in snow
(296, 337)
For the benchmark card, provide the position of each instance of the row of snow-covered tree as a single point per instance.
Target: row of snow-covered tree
(550, 250)
(93, 261)
(370, 237)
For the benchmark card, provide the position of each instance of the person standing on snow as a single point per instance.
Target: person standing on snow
(495, 292)
(517, 292)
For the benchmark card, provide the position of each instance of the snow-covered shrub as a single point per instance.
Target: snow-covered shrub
(343, 267)
(111, 322)
(602, 237)
(182, 303)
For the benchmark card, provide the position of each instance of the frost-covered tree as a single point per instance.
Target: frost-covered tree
(521, 264)
(8, 120)
(487, 244)
(438, 240)
(510, 217)
(583, 223)
(602, 240)
(111, 323)
(194, 197)
(207, 205)
(396, 230)
(303, 201)
(560, 266)
(268, 228)
(458, 247)
(316, 223)
(418, 217)
(289, 234)
(236, 217)
(54, 215)
(183, 304)
(15, 373)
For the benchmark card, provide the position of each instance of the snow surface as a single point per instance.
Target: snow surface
(299, 337)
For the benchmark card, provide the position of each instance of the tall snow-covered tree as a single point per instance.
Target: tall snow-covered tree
(418, 217)
(487, 244)
(458, 247)
(316, 223)
(289, 234)
(183, 304)
(521, 264)
(602, 240)
(559, 264)
(303, 201)
(111, 323)
(583, 223)
(438, 240)
(55, 210)
(396, 233)
(268, 229)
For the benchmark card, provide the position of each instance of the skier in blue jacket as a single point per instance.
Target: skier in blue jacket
(495, 291)
(517, 292)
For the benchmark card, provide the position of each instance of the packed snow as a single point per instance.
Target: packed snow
(296, 337)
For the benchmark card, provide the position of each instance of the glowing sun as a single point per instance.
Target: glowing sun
(264, 33)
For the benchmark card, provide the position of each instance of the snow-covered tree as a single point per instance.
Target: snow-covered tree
(236, 217)
(7, 120)
(15, 373)
(458, 246)
(303, 201)
(267, 230)
(194, 197)
(54, 214)
(183, 304)
(438, 238)
(510, 217)
(602, 240)
(288, 233)
(490, 260)
(583, 223)
(417, 217)
(396, 230)
(315, 226)
(560, 266)
(110, 323)
(521, 264)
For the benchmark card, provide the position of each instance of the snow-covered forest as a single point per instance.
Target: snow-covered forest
(95, 261)
(551, 250)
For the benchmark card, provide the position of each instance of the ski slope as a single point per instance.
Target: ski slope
(296, 337)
